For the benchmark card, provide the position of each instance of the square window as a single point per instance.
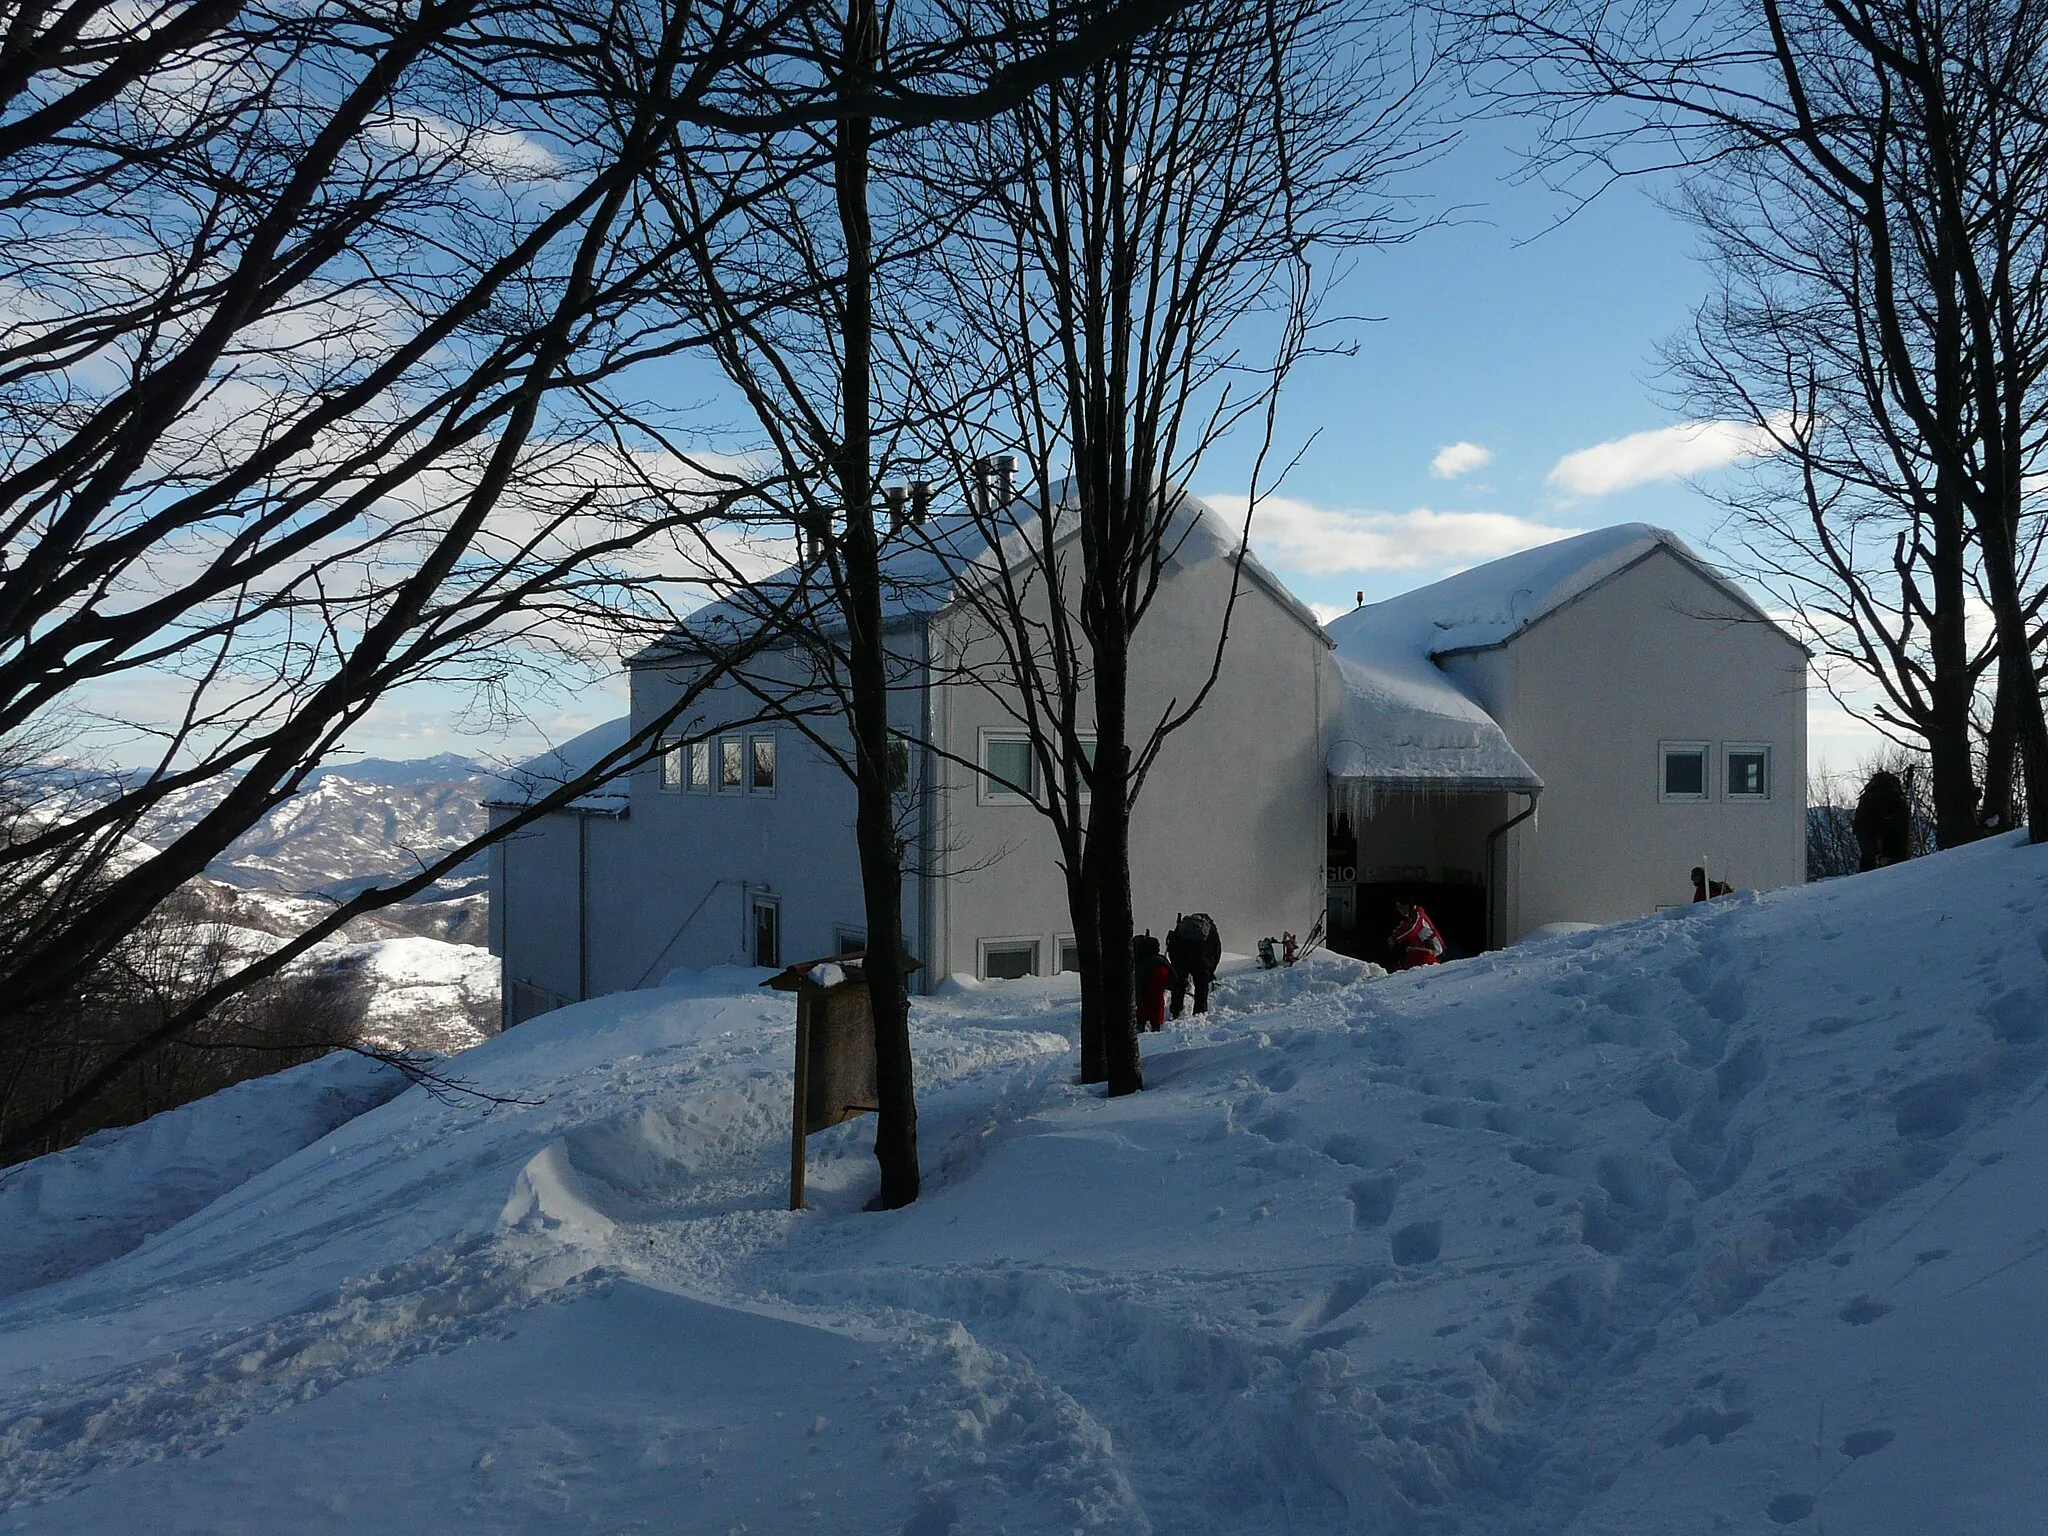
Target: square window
(1070, 955)
(1749, 773)
(730, 761)
(1685, 770)
(1009, 768)
(700, 767)
(846, 938)
(1008, 959)
(761, 760)
(672, 767)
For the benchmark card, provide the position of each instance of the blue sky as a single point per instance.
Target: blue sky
(1523, 340)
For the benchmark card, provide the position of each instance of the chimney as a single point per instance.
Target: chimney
(920, 502)
(1361, 599)
(1005, 466)
(893, 495)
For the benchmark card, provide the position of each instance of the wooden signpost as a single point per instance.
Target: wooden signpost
(835, 1050)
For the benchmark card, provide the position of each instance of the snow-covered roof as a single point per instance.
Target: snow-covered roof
(1405, 721)
(923, 570)
(539, 776)
(1492, 603)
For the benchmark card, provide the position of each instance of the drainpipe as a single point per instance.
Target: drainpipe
(582, 906)
(1492, 845)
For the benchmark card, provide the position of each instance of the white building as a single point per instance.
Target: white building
(1649, 712)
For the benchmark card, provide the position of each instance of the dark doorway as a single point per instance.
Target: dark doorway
(768, 934)
(1459, 912)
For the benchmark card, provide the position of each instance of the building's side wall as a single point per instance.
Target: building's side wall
(534, 931)
(1590, 694)
(673, 883)
(1231, 817)
(679, 888)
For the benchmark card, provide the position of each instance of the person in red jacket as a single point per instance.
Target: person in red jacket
(1153, 976)
(1415, 939)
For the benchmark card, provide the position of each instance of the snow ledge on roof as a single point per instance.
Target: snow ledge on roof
(540, 776)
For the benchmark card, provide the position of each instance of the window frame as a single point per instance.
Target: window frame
(1034, 943)
(1060, 945)
(750, 764)
(988, 792)
(674, 760)
(700, 753)
(738, 746)
(1730, 749)
(1705, 751)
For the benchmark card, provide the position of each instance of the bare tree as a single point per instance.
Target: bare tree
(322, 380)
(1874, 171)
(1133, 263)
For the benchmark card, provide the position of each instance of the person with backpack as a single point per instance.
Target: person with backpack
(1194, 949)
(1415, 940)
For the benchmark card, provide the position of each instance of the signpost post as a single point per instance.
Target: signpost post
(835, 1050)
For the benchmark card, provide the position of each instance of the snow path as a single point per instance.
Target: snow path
(1732, 1219)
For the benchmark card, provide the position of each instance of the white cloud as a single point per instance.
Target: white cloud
(1459, 458)
(1669, 453)
(1295, 535)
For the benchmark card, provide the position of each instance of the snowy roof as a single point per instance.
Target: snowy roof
(923, 569)
(1492, 603)
(539, 776)
(1404, 719)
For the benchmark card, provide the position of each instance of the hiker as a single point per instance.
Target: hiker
(1883, 823)
(1415, 939)
(1151, 975)
(1704, 889)
(1193, 949)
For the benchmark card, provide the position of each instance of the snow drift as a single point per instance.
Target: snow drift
(1731, 1219)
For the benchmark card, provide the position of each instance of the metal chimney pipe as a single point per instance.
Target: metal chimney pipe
(920, 502)
(1005, 466)
(894, 496)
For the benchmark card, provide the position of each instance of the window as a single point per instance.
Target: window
(1685, 770)
(1749, 772)
(1008, 959)
(1070, 955)
(767, 932)
(899, 766)
(672, 767)
(700, 767)
(729, 761)
(1009, 769)
(761, 764)
(846, 938)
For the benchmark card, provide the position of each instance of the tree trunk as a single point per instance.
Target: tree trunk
(1953, 684)
(2016, 661)
(1109, 857)
(1087, 921)
(881, 861)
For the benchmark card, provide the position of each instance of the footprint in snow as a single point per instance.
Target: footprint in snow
(1418, 1243)
(1790, 1508)
(1863, 1442)
(1863, 1310)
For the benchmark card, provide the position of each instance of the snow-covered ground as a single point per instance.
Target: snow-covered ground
(1735, 1219)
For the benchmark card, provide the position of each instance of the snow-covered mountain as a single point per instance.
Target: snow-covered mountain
(1726, 1220)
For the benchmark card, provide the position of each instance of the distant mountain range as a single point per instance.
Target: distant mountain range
(354, 825)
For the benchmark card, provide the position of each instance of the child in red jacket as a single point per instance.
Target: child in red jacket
(1152, 975)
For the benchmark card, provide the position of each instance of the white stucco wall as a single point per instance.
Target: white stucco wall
(673, 883)
(1589, 694)
(1230, 820)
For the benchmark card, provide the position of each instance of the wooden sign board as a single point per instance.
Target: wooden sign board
(835, 1051)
